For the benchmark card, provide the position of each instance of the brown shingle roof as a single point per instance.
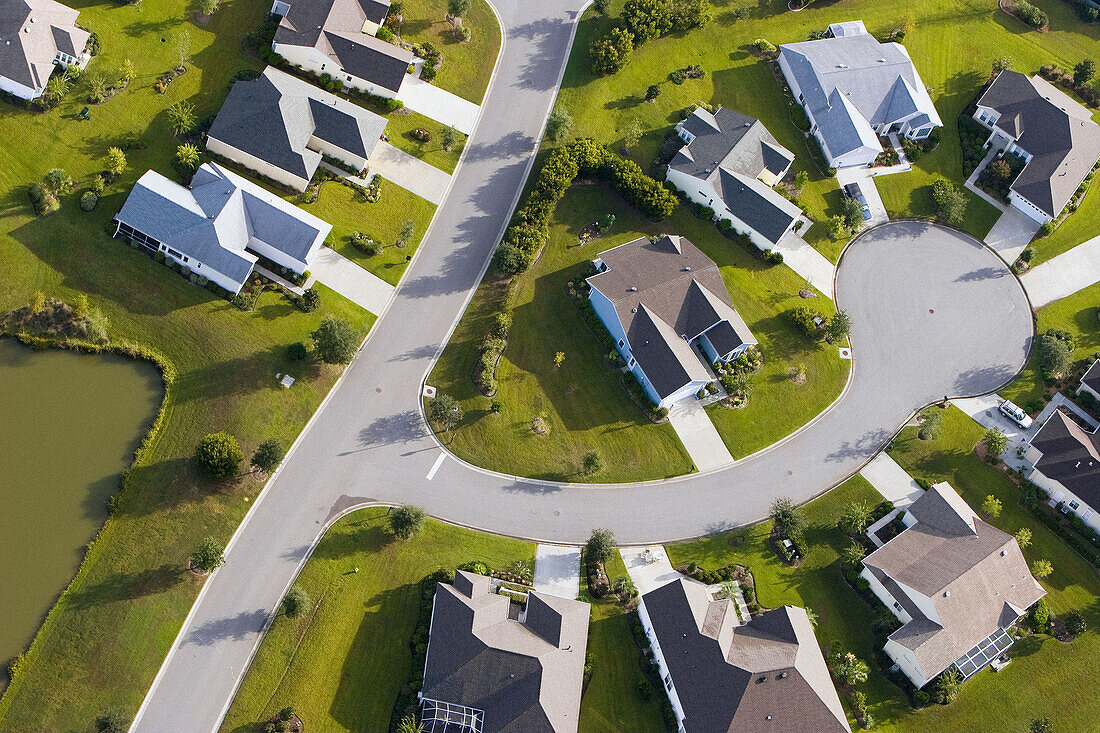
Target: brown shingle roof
(1071, 456)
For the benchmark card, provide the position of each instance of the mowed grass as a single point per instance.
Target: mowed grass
(1078, 227)
(1075, 313)
(1040, 681)
(103, 642)
(343, 664)
(399, 127)
(817, 583)
(952, 47)
(467, 67)
(611, 703)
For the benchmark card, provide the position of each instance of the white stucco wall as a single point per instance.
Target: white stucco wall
(260, 166)
(703, 193)
(906, 661)
(311, 59)
(200, 268)
(1033, 212)
(356, 161)
(1058, 492)
(884, 595)
(23, 92)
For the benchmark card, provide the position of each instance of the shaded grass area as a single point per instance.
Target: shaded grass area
(816, 584)
(1034, 685)
(343, 664)
(1078, 227)
(103, 642)
(1077, 314)
(399, 127)
(467, 67)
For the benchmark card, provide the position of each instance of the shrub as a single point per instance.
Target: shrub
(269, 454)
(111, 721)
(593, 463)
(763, 45)
(296, 351)
(1055, 354)
(1041, 568)
(310, 300)
(1075, 623)
(1039, 615)
(218, 455)
(558, 125)
(335, 341)
(44, 201)
(600, 546)
(445, 411)
(295, 603)
(385, 34)
(88, 200)
(1030, 14)
(803, 317)
(209, 556)
(946, 687)
(991, 507)
(407, 520)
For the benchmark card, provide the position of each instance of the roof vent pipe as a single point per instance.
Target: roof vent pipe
(634, 290)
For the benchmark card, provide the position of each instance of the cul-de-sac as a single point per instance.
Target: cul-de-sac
(572, 366)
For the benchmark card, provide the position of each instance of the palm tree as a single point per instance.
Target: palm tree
(188, 156)
(856, 516)
(182, 117)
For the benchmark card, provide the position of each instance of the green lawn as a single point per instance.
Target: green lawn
(610, 703)
(583, 401)
(343, 664)
(399, 126)
(1077, 314)
(105, 639)
(1035, 684)
(1076, 228)
(467, 67)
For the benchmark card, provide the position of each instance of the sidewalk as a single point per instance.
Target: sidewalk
(360, 286)
(558, 570)
(891, 481)
(699, 436)
(1064, 275)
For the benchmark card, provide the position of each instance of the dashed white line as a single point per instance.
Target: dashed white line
(436, 465)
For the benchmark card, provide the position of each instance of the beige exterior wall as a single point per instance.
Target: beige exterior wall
(313, 60)
(357, 162)
(260, 166)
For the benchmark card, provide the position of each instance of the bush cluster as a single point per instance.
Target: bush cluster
(529, 229)
(492, 347)
(641, 21)
(1030, 14)
(1085, 11)
(1081, 538)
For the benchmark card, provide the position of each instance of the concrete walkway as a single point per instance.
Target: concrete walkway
(699, 436)
(648, 573)
(360, 286)
(1064, 275)
(891, 481)
(408, 172)
(439, 104)
(810, 264)
(558, 570)
(1013, 231)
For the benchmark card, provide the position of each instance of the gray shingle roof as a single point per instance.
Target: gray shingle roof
(677, 291)
(756, 204)
(526, 677)
(1091, 378)
(274, 117)
(1071, 456)
(335, 28)
(215, 219)
(27, 48)
(974, 575)
(765, 676)
(1053, 128)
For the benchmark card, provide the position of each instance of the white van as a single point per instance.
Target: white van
(1015, 414)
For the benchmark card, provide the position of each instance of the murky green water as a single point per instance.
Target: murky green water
(69, 423)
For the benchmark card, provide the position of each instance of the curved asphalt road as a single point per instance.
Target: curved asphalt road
(935, 313)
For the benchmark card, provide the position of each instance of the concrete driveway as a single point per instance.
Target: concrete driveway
(701, 439)
(439, 104)
(810, 264)
(1012, 233)
(558, 570)
(865, 177)
(648, 567)
(408, 172)
(358, 285)
(891, 480)
(1064, 275)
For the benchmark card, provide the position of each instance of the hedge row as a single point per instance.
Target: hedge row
(1072, 537)
(530, 225)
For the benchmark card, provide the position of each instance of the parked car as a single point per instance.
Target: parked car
(1015, 414)
(852, 191)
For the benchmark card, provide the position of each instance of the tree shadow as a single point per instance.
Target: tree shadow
(233, 628)
(128, 586)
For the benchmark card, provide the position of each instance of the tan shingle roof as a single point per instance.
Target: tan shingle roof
(31, 34)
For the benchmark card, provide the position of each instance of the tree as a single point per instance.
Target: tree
(991, 507)
(458, 8)
(1041, 568)
(218, 455)
(209, 7)
(335, 341)
(632, 133)
(946, 687)
(801, 179)
(80, 307)
(908, 22)
(409, 724)
(839, 325)
(1023, 536)
(1075, 623)
(209, 556)
(111, 721)
(593, 463)
(38, 302)
(1001, 169)
(1039, 615)
(853, 555)
(602, 6)
(1000, 64)
(932, 421)
(607, 222)
(949, 201)
(624, 587)
(188, 156)
(450, 137)
(558, 125)
(856, 516)
(852, 211)
(1083, 72)
(57, 181)
(600, 546)
(268, 455)
(848, 668)
(296, 602)
(835, 225)
(181, 117)
(611, 53)
(995, 442)
(647, 19)
(407, 231)
(1041, 725)
(407, 520)
(788, 519)
(310, 299)
(127, 70)
(116, 161)
(652, 92)
(1055, 355)
(445, 410)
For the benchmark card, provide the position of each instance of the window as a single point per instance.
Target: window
(668, 682)
(631, 363)
(349, 78)
(322, 67)
(185, 259)
(801, 99)
(921, 133)
(622, 343)
(1075, 505)
(897, 607)
(174, 253)
(162, 248)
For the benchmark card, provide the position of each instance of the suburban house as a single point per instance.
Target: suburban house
(37, 36)
(855, 89)
(729, 163)
(219, 226)
(1028, 116)
(1064, 461)
(489, 670)
(336, 37)
(725, 675)
(956, 583)
(1090, 381)
(281, 126)
(662, 299)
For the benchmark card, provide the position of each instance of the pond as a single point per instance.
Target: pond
(69, 424)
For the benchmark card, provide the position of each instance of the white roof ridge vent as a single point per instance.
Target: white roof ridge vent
(882, 61)
(633, 289)
(842, 66)
(687, 269)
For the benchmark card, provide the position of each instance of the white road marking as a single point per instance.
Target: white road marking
(436, 465)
